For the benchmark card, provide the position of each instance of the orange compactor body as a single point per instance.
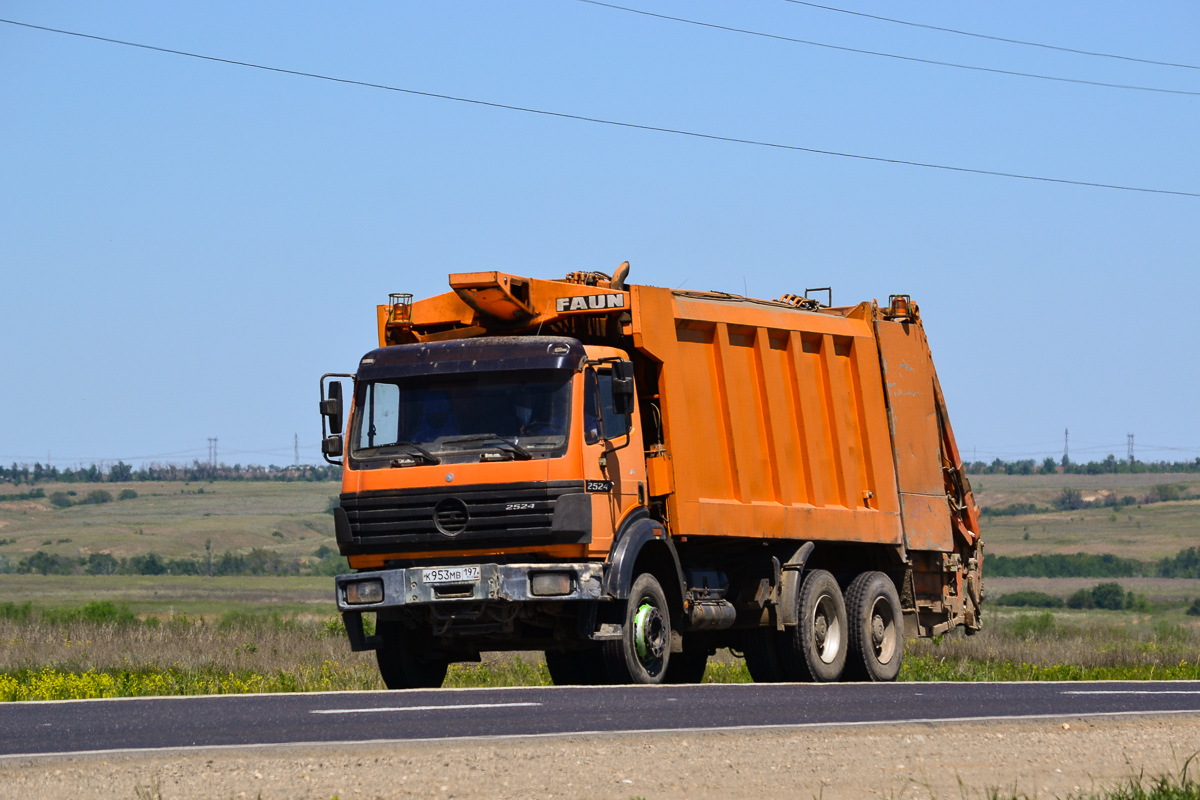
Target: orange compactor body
(630, 477)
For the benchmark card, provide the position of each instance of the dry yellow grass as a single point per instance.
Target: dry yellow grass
(180, 643)
(1143, 532)
(165, 594)
(173, 519)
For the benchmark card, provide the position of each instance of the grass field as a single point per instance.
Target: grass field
(56, 655)
(175, 519)
(164, 594)
(1144, 532)
(1156, 590)
(203, 645)
(172, 519)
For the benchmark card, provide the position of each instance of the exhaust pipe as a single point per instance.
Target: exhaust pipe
(618, 279)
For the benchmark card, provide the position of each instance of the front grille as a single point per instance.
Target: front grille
(520, 513)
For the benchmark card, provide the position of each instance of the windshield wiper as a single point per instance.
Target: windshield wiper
(516, 449)
(420, 452)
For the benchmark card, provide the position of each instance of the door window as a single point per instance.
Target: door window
(599, 418)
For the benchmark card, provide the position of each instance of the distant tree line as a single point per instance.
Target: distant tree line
(1065, 466)
(1107, 596)
(31, 474)
(1184, 564)
(258, 561)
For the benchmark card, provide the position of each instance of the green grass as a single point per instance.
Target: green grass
(52, 684)
(932, 668)
(104, 649)
(514, 671)
(1136, 787)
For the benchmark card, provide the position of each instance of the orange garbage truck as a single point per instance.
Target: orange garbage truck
(629, 478)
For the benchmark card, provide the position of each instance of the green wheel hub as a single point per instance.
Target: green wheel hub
(649, 633)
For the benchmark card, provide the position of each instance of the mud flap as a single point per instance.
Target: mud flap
(791, 573)
(359, 641)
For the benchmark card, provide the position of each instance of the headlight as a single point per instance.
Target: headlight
(550, 584)
(362, 592)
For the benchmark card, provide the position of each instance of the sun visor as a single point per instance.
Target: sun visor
(484, 354)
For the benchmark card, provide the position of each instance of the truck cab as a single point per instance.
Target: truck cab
(484, 483)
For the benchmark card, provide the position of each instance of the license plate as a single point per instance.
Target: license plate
(450, 575)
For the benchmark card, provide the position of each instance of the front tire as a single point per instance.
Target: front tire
(815, 649)
(404, 662)
(688, 666)
(644, 650)
(876, 628)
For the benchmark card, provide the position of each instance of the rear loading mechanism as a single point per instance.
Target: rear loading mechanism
(630, 477)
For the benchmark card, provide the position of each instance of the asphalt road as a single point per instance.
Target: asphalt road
(232, 720)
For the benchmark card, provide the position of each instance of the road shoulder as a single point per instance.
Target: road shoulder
(1046, 757)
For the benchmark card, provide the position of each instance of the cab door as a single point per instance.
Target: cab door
(614, 465)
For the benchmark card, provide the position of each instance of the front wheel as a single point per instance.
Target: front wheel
(575, 668)
(405, 662)
(644, 649)
(688, 666)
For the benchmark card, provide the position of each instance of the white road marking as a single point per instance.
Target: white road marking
(419, 708)
(1135, 691)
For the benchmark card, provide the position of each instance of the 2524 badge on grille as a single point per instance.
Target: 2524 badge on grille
(599, 486)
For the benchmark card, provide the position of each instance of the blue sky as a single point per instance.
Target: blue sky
(186, 246)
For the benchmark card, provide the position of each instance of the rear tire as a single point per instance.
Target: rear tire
(403, 663)
(815, 649)
(643, 653)
(575, 667)
(760, 648)
(876, 624)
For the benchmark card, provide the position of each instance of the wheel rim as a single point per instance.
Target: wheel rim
(649, 633)
(826, 630)
(884, 634)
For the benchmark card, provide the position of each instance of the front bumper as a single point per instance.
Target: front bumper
(404, 587)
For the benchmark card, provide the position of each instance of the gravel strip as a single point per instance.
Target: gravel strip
(1046, 758)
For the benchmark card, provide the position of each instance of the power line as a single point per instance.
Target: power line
(996, 38)
(613, 123)
(881, 54)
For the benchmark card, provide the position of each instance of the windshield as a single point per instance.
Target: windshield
(430, 418)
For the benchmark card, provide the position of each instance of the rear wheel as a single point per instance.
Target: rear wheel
(875, 628)
(644, 650)
(404, 662)
(575, 667)
(815, 649)
(761, 650)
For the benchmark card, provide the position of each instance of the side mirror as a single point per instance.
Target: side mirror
(332, 409)
(331, 446)
(622, 387)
